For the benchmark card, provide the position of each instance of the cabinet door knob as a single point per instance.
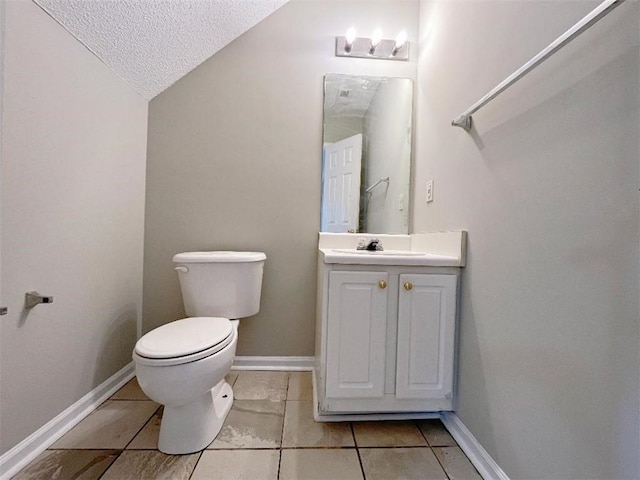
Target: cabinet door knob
(382, 284)
(408, 285)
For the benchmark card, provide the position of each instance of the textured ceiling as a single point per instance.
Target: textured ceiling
(153, 43)
(349, 95)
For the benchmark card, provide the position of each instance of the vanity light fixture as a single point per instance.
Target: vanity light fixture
(374, 47)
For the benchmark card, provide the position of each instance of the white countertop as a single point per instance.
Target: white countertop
(390, 257)
(441, 249)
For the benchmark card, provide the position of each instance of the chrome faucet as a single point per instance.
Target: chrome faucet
(373, 245)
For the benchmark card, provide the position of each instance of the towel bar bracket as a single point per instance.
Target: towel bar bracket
(464, 122)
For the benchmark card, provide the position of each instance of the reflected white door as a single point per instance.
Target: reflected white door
(341, 185)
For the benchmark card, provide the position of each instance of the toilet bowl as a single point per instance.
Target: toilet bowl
(182, 364)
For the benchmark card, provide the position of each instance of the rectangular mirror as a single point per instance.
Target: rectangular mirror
(366, 155)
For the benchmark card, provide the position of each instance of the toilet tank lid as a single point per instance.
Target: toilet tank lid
(219, 257)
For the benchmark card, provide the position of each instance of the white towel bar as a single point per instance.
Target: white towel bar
(464, 120)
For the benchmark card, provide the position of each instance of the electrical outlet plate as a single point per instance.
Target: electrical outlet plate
(429, 195)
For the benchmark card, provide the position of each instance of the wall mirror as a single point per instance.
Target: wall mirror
(366, 155)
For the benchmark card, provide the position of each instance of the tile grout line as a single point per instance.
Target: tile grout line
(431, 448)
(110, 465)
(441, 465)
(422, 433)
(196, 464)
(355, 443)
(142, 428)
(284, 415)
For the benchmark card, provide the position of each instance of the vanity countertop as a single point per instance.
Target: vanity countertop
(442, 249)
(387, 257)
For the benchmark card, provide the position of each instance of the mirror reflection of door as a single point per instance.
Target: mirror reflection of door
(341, 185)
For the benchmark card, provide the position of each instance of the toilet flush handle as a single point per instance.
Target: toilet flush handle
(182, 269)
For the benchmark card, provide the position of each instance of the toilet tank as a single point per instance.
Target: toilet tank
(220, 284)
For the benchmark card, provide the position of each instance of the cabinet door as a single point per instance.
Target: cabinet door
(356, 334)
(426, 332)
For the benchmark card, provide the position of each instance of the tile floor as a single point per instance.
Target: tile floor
(269, 434)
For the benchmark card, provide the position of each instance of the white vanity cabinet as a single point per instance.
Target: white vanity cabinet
(386, 339)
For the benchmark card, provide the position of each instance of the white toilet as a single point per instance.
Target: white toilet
(182, 364)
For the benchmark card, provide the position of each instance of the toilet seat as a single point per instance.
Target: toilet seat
(184, 341)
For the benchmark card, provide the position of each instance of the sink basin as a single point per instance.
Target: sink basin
(395, 253)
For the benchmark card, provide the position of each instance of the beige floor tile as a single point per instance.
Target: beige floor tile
(300, 430)
(66, 464)
(231, 378)
(147, 438)
(252, 424)
(149, 464)
(261, 386)
(388, 434)
(456, 463)
(300, 387)
(237, 465)
(130, 391)
(320, 464)
(405, 463)
(113, 425)
(436, 434)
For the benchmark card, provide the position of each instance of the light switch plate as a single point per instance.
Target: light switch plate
(429, 191)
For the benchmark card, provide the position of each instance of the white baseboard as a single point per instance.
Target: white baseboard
(36, 443)
(291, 364)
(486, 466)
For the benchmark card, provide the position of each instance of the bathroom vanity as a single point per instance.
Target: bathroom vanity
(386, 325)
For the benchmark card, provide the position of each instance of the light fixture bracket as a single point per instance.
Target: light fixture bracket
(361, 46)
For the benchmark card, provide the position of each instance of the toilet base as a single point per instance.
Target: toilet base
(192, 427)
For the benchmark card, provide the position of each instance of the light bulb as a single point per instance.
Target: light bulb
(401, 39)
(350, 37)
(375, 40)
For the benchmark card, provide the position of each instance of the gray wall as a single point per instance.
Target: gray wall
(234, 161)
(547, 186)
(388, 145)
(73, 165)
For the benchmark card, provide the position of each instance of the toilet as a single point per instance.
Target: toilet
(182, 364)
